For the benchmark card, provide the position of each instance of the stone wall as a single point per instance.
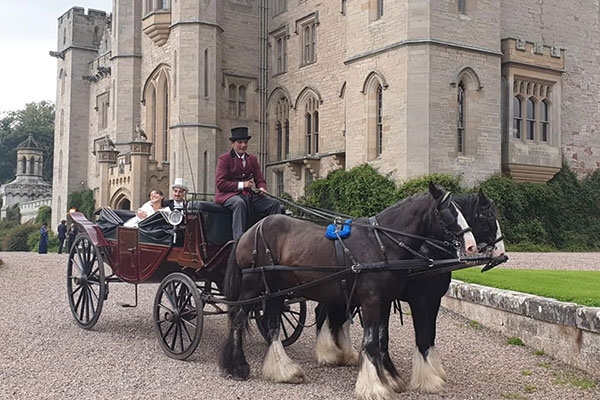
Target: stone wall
(567, 331)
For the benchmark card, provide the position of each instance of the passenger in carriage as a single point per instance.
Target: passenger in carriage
(179, 189)
(238, 174)
(147, 209)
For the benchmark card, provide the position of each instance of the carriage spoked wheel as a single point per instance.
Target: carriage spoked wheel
(178, 316)
(86, 283)
(293, 318)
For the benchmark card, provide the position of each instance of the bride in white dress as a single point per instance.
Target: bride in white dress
(147, 209)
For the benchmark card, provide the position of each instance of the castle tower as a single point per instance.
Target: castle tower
(29, 184)
(79, 38)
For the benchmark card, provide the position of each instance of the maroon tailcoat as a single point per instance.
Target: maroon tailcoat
(230, 171)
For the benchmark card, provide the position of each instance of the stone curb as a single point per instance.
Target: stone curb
(537, 307)
(566, 331)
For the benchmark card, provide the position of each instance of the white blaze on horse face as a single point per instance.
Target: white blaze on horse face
(499, 249)
(470, 243)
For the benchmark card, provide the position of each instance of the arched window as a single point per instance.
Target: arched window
(530, 119)
(460, 132)
(545, 120)
(379, 120)
(157, 99)
(279, 110)
(96, 34)
(316, 131)
(24, 165)
(308, 128)
(153, 123)
(518, 117)
(279, 139)
(165, 125)
(287, 139)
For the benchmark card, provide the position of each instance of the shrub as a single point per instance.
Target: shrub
(417, 185)
(16, 238)
(359, 192)
(5, 227)
(44, 215)
(82, 201)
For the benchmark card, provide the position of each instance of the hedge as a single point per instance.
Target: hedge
(16, 238)
(562, 214)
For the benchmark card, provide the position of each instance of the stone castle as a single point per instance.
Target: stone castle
(468, 87)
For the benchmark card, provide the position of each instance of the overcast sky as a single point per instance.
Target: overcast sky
(27, 33)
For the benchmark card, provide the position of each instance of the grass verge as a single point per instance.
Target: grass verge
(579, 287)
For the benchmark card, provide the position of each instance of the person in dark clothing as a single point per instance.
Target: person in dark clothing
(43, 246)
(62, 235)
(72, 235)
(241, 186)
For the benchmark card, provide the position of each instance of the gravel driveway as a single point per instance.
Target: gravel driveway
(45, 355)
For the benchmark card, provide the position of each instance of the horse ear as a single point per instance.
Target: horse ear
(435, 191)
(483, 200)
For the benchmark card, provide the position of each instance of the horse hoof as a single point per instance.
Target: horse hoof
(240, 373)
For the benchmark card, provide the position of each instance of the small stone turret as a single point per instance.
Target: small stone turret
(29, 184)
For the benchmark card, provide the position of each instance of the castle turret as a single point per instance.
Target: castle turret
(79, 38)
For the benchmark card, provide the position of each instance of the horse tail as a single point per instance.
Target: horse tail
(232, 285)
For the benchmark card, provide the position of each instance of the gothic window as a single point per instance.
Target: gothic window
(460, 133)
(379, 120)
(24, 165)
(32, 166)
(287, 138)
(545, 120)
(152, 105)
(157, 99)
(165, 125)
(279, 129)
(311, 125)
(530, 119)
(518, 117)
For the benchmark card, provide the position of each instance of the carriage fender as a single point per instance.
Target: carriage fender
(92, 230)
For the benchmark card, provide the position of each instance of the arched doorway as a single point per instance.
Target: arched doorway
(124, 204)
(120, 200)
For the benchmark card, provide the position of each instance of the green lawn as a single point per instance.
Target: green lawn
(581, 287)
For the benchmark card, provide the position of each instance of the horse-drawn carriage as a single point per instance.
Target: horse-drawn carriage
(185, 252)
(406, 252)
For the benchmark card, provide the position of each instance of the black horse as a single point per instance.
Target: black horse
(293, 243)
(424, 295)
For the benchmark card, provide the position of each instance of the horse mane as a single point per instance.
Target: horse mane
(468, 203)
(412, 203)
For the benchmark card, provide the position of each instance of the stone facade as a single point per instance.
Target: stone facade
(28, 189)
(417, 87)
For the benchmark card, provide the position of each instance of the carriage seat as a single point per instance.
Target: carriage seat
(217, 220)
(152, 230)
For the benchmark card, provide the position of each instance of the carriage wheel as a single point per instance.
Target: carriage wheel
(293, 318)
(178, 316)
(86, 284)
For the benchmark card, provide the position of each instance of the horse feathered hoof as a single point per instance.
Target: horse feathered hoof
(278, 367)
(424, 377)
(241, 372)
(368, 384)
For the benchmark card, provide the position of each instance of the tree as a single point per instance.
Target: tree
(36, 119)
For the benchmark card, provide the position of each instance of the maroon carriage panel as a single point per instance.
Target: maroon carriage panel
(126, 266)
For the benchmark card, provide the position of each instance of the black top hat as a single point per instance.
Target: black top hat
(240, 133)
